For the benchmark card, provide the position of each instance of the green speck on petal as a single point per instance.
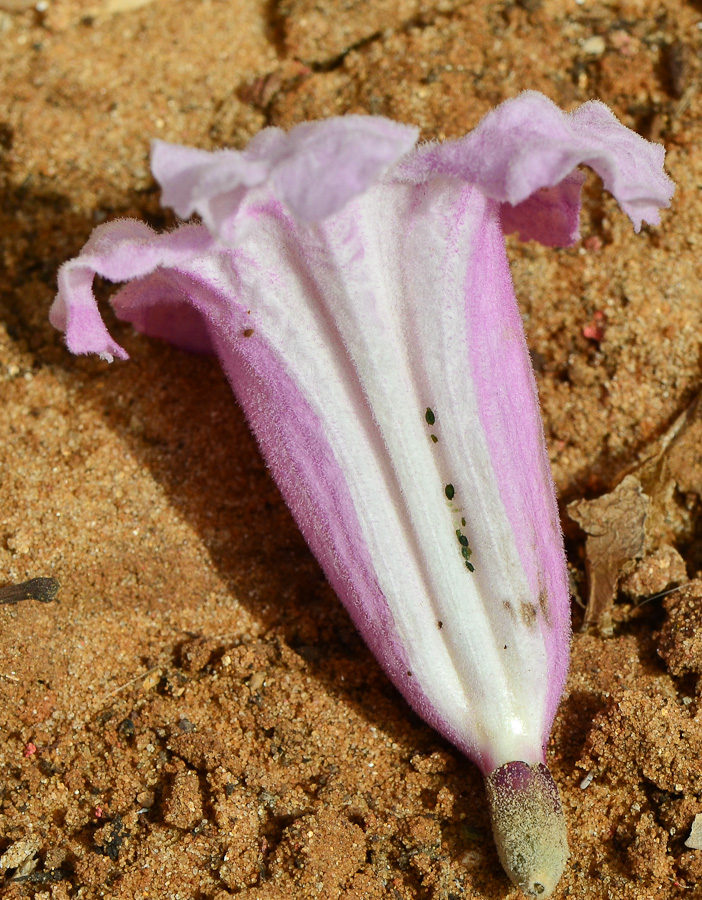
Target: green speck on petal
(449, 491)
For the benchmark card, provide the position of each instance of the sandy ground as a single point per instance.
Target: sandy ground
(196, 717)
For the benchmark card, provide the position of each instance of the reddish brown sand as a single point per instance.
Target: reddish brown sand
(197, 718)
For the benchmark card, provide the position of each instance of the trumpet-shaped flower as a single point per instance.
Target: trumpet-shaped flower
(357, 292)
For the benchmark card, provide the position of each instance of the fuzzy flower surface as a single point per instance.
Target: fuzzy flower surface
(356, 290)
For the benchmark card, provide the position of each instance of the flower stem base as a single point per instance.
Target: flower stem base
(528, 825)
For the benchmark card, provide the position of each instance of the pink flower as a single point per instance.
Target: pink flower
(357, 292)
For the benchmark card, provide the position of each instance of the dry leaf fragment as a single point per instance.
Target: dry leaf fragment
(676, 59)
(657, 572)
(694, 841)
(643, 516)
(615, 527)
(21, 856)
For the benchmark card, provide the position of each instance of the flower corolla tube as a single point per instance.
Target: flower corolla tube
(356, 290)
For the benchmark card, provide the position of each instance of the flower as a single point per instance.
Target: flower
(357, 292)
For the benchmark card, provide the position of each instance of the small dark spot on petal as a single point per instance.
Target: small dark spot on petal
(543, 606)
(528, 614)
(449, 491)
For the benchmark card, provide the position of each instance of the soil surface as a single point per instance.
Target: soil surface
(195, 717)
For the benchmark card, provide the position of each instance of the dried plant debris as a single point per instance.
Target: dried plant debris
(676, 64)
(21, 857)
(615, 526)
(694, 841)
(654, 575)
(44, 590)
(672, 477)
(653, 508)
(680, 639)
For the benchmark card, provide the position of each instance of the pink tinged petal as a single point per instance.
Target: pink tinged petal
(75, 313)
(211, 184)
(328, 163)
(509, 413)
(528, 144)
(118, 251)
(343, 352)
(316, 168)
(551, 216)
(296, 448)
(631, 168)
(162, 306)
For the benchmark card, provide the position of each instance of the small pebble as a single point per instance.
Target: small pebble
(594, 46)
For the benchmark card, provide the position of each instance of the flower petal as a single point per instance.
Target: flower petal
(508, 410)
(528, 143)
(213, 184)
(315, 169)
(551, 216)
(329, 162)
(119, 251)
